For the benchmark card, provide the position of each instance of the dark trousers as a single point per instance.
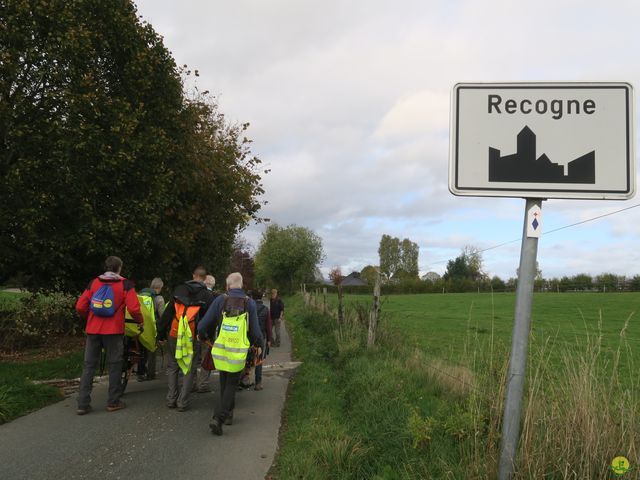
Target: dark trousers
(228, 386)
(114, 348)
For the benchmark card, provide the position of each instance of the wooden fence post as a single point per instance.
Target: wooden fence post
(374, 314)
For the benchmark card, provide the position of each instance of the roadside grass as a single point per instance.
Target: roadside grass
(19, 396)
(427, 401)
(358, 414)
(9, 301)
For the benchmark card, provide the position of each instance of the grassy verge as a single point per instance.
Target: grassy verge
(427, 401)
(19, 396)
(354, 413)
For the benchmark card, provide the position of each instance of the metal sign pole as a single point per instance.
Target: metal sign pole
(520, 339)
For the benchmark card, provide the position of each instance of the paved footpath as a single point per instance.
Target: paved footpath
(148, 440)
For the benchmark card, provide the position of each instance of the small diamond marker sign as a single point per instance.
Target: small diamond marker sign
(534, 222)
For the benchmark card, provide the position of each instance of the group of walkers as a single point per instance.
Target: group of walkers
(230, 332)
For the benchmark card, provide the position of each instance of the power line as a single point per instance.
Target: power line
(550, 231)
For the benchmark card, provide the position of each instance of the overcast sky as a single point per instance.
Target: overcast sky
(348, 103)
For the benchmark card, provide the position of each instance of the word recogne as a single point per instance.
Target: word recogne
(556, 108)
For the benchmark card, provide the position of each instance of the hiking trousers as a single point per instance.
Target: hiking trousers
(276, 332)
(175, 394)
(114, 348)
(228, 386)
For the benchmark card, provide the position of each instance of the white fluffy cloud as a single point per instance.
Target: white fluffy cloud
(349, 108)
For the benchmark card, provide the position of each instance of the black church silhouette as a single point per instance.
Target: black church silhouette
(523, 166)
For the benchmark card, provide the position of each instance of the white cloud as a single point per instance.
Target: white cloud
(349, 107)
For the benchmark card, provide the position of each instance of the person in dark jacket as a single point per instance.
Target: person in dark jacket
(276, 308)
(192, 299)
(106, 331)
(209, 328)
(264, 320)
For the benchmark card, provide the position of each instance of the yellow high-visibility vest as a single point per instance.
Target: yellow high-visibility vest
(230, 349)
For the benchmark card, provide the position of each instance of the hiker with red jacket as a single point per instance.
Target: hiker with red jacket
(103, 305)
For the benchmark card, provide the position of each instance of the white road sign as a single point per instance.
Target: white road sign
(542, 140)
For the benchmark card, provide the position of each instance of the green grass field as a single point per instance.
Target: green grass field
(427, 400)
(444, 325)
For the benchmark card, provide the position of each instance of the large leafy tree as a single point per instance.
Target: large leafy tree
(102, 153)
(389, 252)
(396, 255)
(467, 265)
(241, 261)
(287, 256)
(369, 274)
(409, 258)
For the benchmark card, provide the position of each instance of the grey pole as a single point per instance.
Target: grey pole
(519, 345)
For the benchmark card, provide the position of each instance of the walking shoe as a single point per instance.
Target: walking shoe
(204, 389)
(172, 404)
(216, 426)
(116, 406)
(258, 386)
(229, 420)
(183, 409)
(83, 410)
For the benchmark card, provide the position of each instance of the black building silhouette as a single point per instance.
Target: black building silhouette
(523, 166)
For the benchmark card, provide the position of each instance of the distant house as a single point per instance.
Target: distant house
(353, 279)
(430, 276)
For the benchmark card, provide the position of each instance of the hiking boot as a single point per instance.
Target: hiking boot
(204, 389)
(116, 406)
(172, 404)
(216, 426)
(229, 420)
(258, 386)
(83, 410)
(244, 386)
(183, 409)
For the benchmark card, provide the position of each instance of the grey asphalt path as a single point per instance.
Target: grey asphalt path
(146, 439)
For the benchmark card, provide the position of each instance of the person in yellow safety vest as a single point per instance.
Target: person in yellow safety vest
(232, 321)
(189, 302)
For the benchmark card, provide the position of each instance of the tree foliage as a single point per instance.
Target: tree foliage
(242, 261)
(466, 266)
(369, 274)
(102, 152)
(396, 255)
(335, 275)
(409, 252)
(287, 256)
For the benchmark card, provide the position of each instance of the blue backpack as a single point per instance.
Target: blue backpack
(102, 302)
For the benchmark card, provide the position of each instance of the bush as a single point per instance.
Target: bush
(35, 318)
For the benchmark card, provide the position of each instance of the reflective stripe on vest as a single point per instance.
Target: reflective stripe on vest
(230, 349)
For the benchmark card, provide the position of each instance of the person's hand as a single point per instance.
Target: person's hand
(140, 328)
(259, 351)
(269, 343)
(162, 342)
